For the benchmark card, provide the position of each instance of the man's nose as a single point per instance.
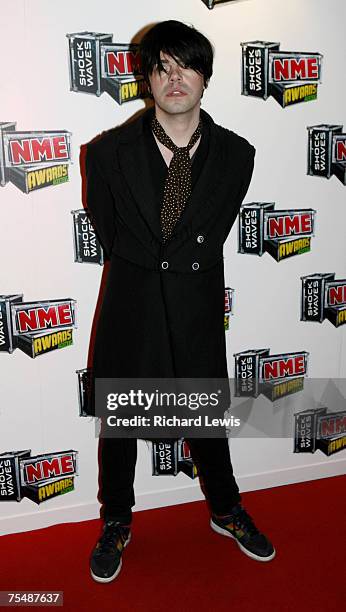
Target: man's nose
(175, 73)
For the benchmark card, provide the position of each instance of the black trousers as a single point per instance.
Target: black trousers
(117, 471)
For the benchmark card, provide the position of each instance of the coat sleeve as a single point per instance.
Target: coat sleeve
(245, 179)
(100, 201)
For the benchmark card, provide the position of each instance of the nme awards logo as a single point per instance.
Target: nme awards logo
(273, 375)
(36, 328)
(97, 64)
(319, 430)
(323, 297)
(327, 151)
(281, 233)
(290, 77)
(32, 160)
(38, 478)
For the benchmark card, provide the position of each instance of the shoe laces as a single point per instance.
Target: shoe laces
(112, 533)
(244, 521)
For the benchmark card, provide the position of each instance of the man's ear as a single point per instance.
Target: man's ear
(206, 83)
(149, 89)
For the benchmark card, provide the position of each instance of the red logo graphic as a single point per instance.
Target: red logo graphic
(283, 367)
(37, 318)
(47, 468)
(295, 69)
(37, 150)
(121, 63)
(282, 225)
(336, 293)
(340, 149)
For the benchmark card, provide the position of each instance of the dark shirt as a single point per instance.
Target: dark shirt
(159, 168)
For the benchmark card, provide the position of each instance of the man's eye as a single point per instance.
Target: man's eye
(163, 67)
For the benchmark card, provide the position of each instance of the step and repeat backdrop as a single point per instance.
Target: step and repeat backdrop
(278, 82)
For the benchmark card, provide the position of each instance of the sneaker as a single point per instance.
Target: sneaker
(240, 526)
(105, 562)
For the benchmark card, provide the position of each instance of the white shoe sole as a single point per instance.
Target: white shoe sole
(117, 571)
(226, 533)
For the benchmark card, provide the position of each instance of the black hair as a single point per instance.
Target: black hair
(188, 47)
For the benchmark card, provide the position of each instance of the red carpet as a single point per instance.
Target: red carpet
(175, 562)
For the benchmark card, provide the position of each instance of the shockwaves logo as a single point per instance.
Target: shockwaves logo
(83, 386)
(97, 64)
(87, 248)
(327, 151)
(281, 233)
(38, 478)
(211, 3)
(273, 375)
(323, 297)
(36, 328)
(229, 292)
(289, 77)
(32, 160)
(319, 430)
(169, 457)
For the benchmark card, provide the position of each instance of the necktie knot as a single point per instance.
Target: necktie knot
(168, 142)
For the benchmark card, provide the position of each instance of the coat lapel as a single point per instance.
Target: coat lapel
(134, 165)
(133, 162)
(207, 181)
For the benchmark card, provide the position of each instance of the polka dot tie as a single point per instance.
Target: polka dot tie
(178, 182)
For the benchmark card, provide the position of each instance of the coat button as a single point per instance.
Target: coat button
(200, 238)
(195, 265)
(164, 265)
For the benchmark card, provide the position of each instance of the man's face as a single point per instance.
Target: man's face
(177, 89)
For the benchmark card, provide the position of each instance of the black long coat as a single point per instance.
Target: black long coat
(163, 308)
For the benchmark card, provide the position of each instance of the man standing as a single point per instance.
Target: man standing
(164, 192)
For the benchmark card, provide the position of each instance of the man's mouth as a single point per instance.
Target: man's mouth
(176, 93)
